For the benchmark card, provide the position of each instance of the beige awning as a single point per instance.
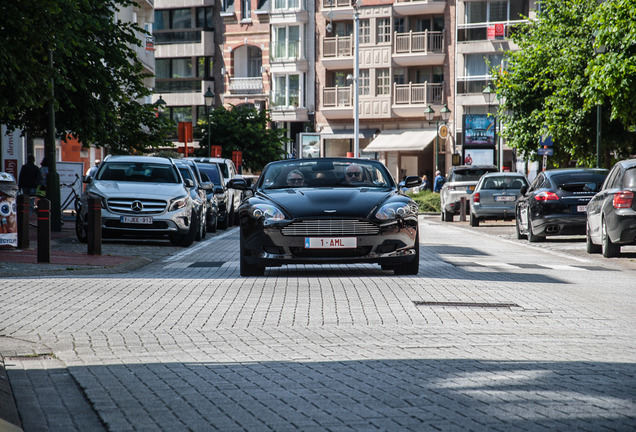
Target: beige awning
(402, 140)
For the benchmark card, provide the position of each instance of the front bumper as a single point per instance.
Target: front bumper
(174, 222)
(267, 246)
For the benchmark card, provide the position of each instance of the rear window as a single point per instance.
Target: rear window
(212, 172)
(629, 180)
(503, 183)
(580, 181)
(470, 175)
(146, 172)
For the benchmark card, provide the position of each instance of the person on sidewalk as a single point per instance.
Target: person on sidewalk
(439, 182)
(30, 177)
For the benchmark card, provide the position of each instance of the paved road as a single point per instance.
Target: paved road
(493, 334)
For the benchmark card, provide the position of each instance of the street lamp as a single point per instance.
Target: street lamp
(209, 98)
(356, 72)
(489, 96)
(598, 49)
(161, 104)
(445, 114)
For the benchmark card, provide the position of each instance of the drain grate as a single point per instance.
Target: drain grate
(207, 264)
(466, 304)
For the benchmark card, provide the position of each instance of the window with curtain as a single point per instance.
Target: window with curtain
(287, 42)
(486, 11)
(287, 90)
(477, 64)
(181, 18)
(182, 68)
(246, 9)
(384, 30)
(254, 61)
(383, 82)
(286, 5)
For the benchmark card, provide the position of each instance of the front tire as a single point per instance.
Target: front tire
(610, 249)
(245, 268)
(80, 229)
(448, 216)
(412, 268)
(185, 240)
(590, 247)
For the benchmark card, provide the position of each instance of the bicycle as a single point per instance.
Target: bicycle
(73, 196)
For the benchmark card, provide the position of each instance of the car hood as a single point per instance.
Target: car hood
(330, 202)
(161, 191)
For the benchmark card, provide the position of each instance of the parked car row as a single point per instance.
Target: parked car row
(593, 202)
(156, 197)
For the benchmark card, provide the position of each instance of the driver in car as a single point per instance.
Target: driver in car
(295, 178)
(353, 174)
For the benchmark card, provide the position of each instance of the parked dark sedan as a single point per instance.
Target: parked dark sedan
(556, 201)
(327, 211)
(611, 214)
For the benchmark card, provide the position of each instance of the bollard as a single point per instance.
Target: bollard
(94, 228)
(24, 211)
(462, 209)
(44, 231)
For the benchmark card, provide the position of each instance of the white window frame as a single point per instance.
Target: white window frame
(275, 42)
(288, 96)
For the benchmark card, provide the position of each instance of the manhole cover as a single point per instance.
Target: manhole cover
(466, 304)
(207, 264)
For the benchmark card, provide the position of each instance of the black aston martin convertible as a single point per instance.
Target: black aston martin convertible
(326, 211)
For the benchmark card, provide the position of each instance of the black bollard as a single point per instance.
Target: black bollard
(24, 211)
(94, 229)
(44, 231)
(462, 209)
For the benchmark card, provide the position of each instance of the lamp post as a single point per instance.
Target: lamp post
(209, 98)
(489, 96)
(356, 72)
(445, 113)
(598, 49)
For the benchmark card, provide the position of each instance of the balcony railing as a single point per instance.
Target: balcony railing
(338, 96)
(479, 31)
(169, 37)
(424, 93)
(413, 42)
(338, 46)
(250, 85)
(326, 4)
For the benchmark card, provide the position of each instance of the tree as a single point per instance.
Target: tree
(244, 128)
(96, 75)
(545, 83)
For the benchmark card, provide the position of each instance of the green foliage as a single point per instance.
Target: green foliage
(96, 74)
(546, 85)
(427, 201)
(244, 128)
(169, 154)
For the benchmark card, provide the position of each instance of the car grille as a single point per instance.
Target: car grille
(125, 206)
(155, 225)
(330, 227)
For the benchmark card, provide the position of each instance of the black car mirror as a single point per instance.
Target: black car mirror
(218, 189)
(523, 190)
(237, 183)
(412, 181)
(87, 179)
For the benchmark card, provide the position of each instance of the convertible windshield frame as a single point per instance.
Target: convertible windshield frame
(325, 173)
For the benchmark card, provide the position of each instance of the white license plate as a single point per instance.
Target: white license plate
(136, 219)
(581, 209)
(505, 198)
(330, 242)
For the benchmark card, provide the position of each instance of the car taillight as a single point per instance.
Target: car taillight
(476, 197)
(623, 199)
(546, 196)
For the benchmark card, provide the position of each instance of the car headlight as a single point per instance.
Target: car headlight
(267, 212)
(101, 199)
(396, 210)
(178, 203)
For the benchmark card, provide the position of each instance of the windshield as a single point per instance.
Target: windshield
(325, 173)
(147, 172)
(211, 171)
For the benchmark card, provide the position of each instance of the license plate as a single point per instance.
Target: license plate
(505, 198)
(470, 189)
(330, 242)
(581, 208)
(136, 219)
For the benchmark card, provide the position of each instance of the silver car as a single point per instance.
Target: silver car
(495, 196)
(460, 183)
(141, 196)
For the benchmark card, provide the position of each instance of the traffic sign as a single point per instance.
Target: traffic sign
(546, 151)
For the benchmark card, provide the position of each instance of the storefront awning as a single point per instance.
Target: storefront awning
(402, 140)
(348, 134)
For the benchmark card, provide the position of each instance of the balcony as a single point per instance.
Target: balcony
(418, 48)
(419, 7)
(479, 31)
(424, 93)
(246, 86)
(337, 52)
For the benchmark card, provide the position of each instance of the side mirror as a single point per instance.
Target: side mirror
(207, 186)
(237, 183)
(189, 183)
(412, 181)
(218, 190)
(87, 179)
(523, 190)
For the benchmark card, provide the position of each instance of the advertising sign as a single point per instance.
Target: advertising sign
(479, 130)
(479, 156)
(309, 145)
(12, 151)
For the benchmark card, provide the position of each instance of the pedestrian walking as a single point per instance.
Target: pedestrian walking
(439, 181)
(44, 172)
(29, 178)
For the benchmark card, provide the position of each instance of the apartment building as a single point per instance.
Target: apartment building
(405, 58)
(483, 40)
(185, 67)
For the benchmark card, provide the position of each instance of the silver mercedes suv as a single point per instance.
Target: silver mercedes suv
(141, 196)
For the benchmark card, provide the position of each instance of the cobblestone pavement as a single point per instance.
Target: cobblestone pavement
(491, 335)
